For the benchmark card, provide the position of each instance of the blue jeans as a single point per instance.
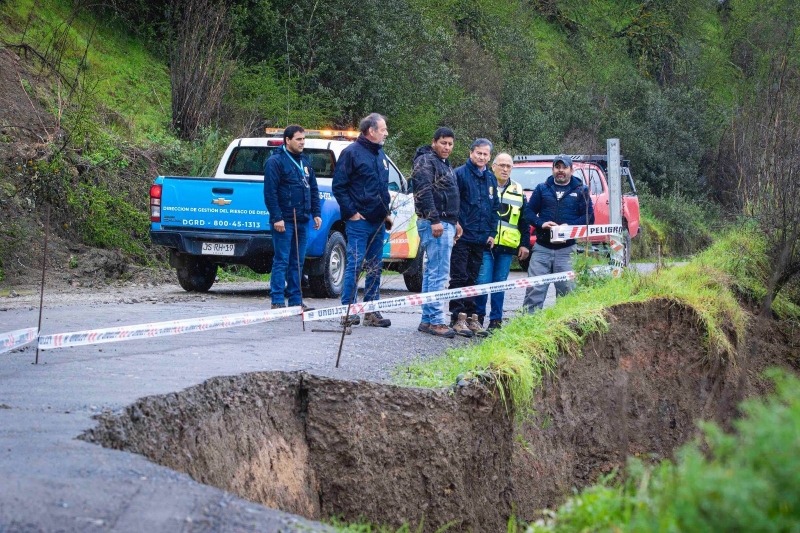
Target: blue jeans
(287, 251)
(437, 266)
(364, 252)
(547, 261)
(495, 267)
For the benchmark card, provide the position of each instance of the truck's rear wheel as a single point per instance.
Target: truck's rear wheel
(197, 274)
(331, 282)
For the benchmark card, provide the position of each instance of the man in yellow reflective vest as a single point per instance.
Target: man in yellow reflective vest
(512, 238)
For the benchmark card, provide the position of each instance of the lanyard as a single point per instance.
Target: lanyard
(298, 165)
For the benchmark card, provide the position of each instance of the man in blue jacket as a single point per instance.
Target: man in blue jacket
(361, 186)
(478, 216)
(561, 200)
(292, 198)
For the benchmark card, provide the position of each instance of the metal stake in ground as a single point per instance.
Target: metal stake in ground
(299, 270)
(388, 226)
(44, 269)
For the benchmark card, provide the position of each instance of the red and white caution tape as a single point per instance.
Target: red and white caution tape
(159, 329)
(17, 338)
(437, 296)
(564, 233)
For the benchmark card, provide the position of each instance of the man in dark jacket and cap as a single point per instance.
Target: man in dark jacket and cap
(561, 200)
(436, 201)
(478, 216)
(361, 187)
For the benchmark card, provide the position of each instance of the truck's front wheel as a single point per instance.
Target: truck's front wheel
(331, 282)
(197, 274)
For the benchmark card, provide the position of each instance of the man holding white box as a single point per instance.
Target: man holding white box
(562, 200)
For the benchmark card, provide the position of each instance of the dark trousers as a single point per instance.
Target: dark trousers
(465, 265)
(285, 278)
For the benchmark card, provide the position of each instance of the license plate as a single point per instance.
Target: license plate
(218, 248)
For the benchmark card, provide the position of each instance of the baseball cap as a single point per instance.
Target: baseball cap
(564, 159)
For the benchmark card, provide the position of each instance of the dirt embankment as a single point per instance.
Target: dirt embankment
(320, 447)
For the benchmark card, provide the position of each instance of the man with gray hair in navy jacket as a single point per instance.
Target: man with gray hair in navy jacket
(361, 186)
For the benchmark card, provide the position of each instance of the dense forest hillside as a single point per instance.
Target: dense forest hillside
(702, 93)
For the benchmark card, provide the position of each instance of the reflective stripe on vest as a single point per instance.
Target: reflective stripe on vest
(511, 201)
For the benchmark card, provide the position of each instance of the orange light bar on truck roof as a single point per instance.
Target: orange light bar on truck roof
(349, 134)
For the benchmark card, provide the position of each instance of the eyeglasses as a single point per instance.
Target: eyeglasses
(502, 165)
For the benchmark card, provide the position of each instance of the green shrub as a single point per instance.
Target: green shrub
(682, 225)
(741, 254)
(108, 221)
(745, 481)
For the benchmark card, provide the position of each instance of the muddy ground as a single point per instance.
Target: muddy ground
(320, 447)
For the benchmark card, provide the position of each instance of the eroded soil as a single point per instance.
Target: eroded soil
(320, 447)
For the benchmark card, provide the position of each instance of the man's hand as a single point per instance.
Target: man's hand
(280, 227)
(357, 216)
(317, 222)
(459, 232)
(437, 230)
(549, 224)
(523, 253)
(490, 242)
(388, 222)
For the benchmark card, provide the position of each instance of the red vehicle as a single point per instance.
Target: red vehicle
(531, 170)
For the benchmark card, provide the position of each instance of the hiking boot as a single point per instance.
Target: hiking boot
(278, 306)
(476, 327)
(352, 320)
(441, 330)
(460, 326)
(375, 319)
(424, 327)
(495, 323)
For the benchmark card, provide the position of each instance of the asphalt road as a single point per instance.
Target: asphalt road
(49, 481)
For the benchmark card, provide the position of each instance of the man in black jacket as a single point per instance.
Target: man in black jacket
(361, 186)
(436, 201)
(292, 198)
(478, 216)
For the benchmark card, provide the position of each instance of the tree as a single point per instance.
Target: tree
(201, 63)
(764, 140)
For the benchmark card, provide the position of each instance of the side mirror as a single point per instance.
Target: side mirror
(394, 187)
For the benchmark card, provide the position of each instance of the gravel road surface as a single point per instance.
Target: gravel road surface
(53, 482)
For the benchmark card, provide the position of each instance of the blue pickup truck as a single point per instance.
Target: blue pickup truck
(207, 222)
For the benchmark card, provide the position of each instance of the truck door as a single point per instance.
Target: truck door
(599, 196)
(402, 241)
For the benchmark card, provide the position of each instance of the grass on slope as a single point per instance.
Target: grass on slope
(528, 347)
(131, 85)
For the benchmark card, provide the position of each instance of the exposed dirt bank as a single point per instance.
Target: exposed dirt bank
(320, 447)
